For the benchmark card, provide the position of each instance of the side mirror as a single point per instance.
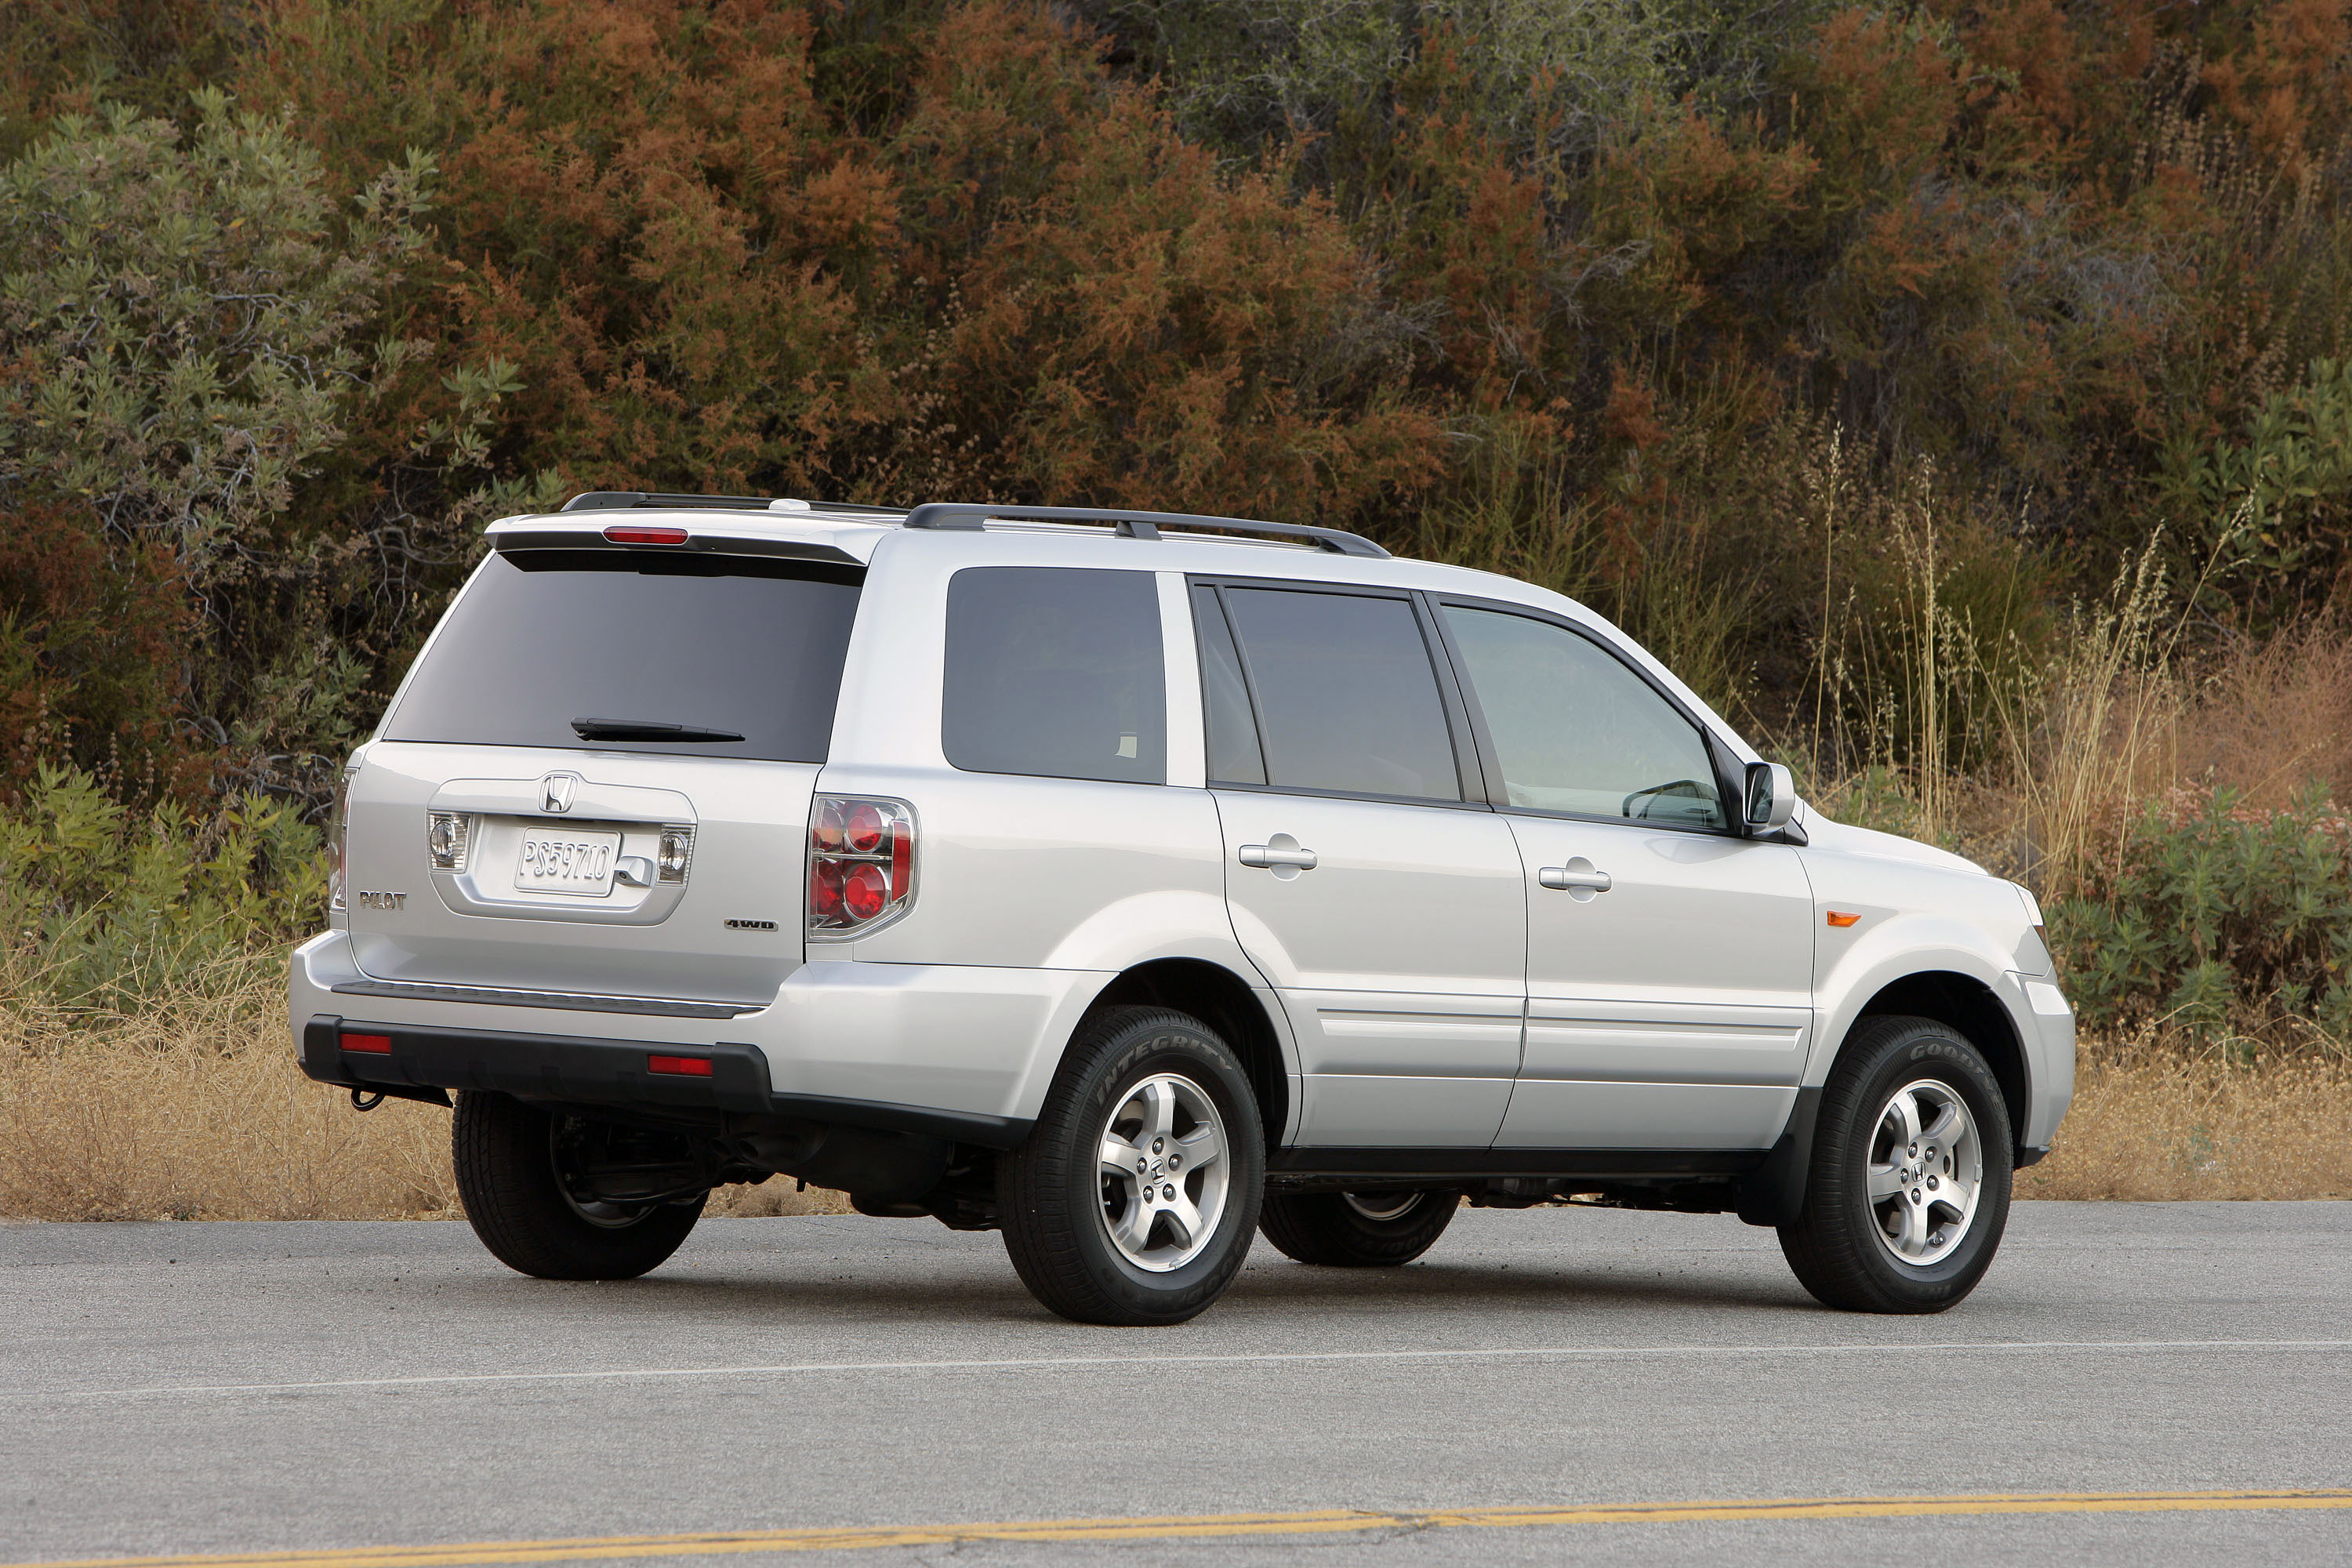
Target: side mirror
(1771, 797)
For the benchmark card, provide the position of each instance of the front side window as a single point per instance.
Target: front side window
(1576, 730)
(1346, 699)
(1055, 672)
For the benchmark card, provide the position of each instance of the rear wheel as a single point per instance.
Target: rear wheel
(1357, 1230)
(518, 1175)
(1908, 1190)
(1135, 1197)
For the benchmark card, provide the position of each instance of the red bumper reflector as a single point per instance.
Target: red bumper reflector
(679, 1067)
(621, 534)
(371, 1044)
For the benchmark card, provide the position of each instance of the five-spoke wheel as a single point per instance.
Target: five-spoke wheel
(1926, 1167)
(1907, 1189)
(1164, 1171)
(1134, 1199)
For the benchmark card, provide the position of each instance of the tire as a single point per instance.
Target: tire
(1157, 1081)
(1345, 1230)
(504, 1152)
(1923, 1238)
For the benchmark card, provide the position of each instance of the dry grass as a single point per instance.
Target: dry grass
(2161, 1127)
(196, 1111)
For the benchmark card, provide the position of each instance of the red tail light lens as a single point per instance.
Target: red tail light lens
(862, 827)
(861, 871)
(865, 891)
(824, 889)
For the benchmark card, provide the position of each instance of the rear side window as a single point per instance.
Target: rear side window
(1055, 672)
(729, 646)
(1346, 699)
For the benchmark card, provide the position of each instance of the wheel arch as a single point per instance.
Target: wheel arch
(1968, 1007)
(1224, 1001)
(1962, 1001)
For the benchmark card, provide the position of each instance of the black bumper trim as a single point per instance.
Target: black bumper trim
(572, 1070)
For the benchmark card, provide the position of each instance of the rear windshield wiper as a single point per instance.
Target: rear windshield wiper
(646, 730)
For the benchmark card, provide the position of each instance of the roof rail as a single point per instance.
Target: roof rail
(966, 515)
(617, 500)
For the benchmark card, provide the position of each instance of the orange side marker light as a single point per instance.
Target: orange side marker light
(1839, 919)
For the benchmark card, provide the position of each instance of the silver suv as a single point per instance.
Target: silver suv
(1132, 883)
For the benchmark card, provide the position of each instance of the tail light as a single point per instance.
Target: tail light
(861, 869)
(338, 838)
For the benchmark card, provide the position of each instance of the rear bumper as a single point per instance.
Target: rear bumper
(884, 1043)
(571, 1071)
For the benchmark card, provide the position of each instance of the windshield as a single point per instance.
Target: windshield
(608, 649)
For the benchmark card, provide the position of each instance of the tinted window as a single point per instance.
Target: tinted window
(1346, 700)
(1056, 671)
(1576, 730)
(723, 643)
(1234, 755)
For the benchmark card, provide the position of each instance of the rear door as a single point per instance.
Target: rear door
(1379, 896)
(1669, 960)
(597, 777)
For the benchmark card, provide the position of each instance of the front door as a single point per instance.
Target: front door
(1382, 904)
(1669, 959)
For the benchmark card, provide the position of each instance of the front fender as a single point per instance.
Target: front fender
(1896, 947)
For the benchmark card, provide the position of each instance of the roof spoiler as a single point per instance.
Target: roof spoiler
(621, 501)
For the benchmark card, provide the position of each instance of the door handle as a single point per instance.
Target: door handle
(1577, 877)
(1284, 852)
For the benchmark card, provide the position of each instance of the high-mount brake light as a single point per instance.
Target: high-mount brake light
(861, 864)
(637, 533)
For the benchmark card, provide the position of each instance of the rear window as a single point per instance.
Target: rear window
(730, 645)
(1056, 671)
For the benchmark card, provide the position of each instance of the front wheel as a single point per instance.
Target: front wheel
(1357, 1230)
(520, 1174)
(1908, 1190)
(1133, 1202)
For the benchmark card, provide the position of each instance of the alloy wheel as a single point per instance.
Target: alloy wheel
(1925, 1171)
(1164, 1172)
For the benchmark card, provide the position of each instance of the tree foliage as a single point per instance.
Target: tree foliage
(1587, 290)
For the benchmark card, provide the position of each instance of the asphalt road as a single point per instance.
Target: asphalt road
(216, 1388)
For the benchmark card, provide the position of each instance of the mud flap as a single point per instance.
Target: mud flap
(1774, 1192)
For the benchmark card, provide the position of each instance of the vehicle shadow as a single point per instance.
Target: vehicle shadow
(917, 1291)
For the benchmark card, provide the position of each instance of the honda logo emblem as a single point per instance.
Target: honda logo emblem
(555, 793)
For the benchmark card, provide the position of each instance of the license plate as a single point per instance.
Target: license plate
(566, 863)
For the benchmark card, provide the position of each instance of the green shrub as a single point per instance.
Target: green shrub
(2212, 918)
(110, 908)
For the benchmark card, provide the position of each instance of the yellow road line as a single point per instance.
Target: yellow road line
(1321, 1522)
